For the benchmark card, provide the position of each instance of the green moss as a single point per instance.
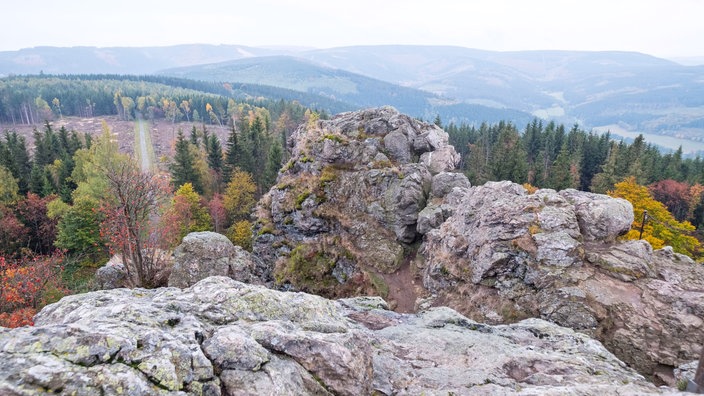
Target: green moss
(309, 269)
(300, 198)
(334, 138)
(306, 159)
(289, 165)
(268, 229)
(379, 284)
(682, 384)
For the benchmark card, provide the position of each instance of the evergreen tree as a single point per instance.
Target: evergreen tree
(194, 136)
(214, 149)
(508, 159)
(532, 142)
(256, 149)
(273, 165)
(564, 172)
(15, 157)
(183, 166)
(231, 154)
(37, 180)
(604, 181)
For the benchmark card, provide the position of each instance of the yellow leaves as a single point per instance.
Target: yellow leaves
(208, 107)
(661, 228)
(241, 234)
(239, 195)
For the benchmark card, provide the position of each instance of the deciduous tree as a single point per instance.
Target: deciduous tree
(130, 225)
(662, 228)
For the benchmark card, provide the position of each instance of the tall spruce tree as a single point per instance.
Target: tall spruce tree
(183, 168)
(273, 164)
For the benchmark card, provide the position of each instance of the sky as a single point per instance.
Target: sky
(664, 28)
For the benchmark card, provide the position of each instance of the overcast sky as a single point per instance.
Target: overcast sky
(665, 28)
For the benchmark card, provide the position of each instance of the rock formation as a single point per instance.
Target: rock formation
(204, 254)
(369, 202)
(222, 337)
(504, 255)
(345, 208)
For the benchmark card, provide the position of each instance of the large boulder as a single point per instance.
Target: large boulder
(504, 255)
(223, 337)
(111, 275)
(345, 209)
(204, 254)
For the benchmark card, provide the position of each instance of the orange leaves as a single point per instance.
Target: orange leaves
(26, 285)
(18, 318)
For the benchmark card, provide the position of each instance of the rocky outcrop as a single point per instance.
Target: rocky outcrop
(504, 255)
(204, 254)
(345, 210)
(222, 337)
(368, 204)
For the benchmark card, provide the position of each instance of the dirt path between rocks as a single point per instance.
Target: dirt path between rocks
(404, 287)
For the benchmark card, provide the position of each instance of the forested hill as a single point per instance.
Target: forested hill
(626, 91)
(32, 99)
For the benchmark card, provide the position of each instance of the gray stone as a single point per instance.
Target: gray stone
(352, 192)
(111, 275)
(396, 144)
(204, 254)
(443, 159)
(444, 182)
(429, 218)
(502, 255)
(600, 217)
(221, 336)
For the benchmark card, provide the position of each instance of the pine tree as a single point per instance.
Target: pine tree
(273, 165)
(231, 154)
(605, 180)
(183, 166)
(564, 172)
(194, 136)
(37, 180)
(214, 149)
(508, 159)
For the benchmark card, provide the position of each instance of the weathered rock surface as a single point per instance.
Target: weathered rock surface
(349, 200)
(111, 275)
(363, 191)
(204, 254)
(222, 337)
(504, 255)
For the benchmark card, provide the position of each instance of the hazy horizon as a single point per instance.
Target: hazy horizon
(665, 29)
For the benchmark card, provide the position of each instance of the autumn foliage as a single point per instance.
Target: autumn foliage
(27, 285)
(661, 227)
(130, 223)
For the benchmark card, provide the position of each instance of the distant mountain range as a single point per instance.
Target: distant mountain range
(624, 91)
